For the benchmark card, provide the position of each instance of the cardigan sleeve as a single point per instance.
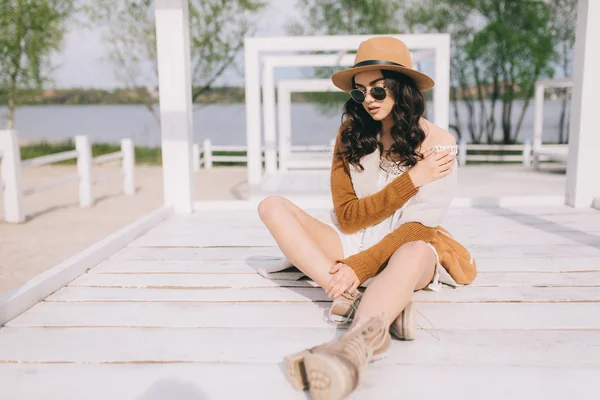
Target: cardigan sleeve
(418, 221)
(430, 205)
(354, 214)
(367, 263)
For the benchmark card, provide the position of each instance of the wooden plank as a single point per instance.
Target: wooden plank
(197, 253)
(270, 345)
(199, 281)
(542, 279)
(243, 381)
(538, 264)
(14, 302)
(503, 226)
(262, 238)
(240, 252)
(429, 316)
(184, 281)
(177, 267)
(207, 295)
(511, 251)
(206, 238)
(468, 294)
(251, 267)
(457, 225)
(213, 260)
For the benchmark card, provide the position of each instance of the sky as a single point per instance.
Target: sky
(82, 61)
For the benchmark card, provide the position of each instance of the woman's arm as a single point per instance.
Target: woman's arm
(367, 263)
(354, 214)
(418, 221)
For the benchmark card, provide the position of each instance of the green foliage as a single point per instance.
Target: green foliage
(500, 48)
(336, 17)
(343, 17)
(30, 32)
(143, 155)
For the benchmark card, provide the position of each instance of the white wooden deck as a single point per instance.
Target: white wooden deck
(180, 313)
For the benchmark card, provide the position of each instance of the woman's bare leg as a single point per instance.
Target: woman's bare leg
(308, 243)
(410, 268)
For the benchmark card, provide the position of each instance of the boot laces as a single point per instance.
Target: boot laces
(343, 319)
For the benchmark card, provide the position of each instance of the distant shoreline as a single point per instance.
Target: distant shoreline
(142, 96)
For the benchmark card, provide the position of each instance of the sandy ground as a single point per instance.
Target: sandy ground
(57, 228)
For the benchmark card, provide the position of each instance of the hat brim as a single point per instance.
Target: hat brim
(343, 79)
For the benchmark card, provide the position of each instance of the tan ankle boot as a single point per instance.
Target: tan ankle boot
(343, 308)
(403, 327)
(331, 371)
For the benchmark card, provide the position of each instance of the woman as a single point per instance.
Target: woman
(392, 178)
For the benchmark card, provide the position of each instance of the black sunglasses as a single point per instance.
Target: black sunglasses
(377, 92)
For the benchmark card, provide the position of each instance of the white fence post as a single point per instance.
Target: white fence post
(196, 156)
(462, 152)
(207, 154)
(11, 176)
(527, 151)
(84, 170)
(128, 151)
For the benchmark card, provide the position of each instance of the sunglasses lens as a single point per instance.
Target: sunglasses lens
(378, 93)
(357, 96)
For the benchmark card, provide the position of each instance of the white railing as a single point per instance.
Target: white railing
(319, 156)
(12, 166)
(523, 156)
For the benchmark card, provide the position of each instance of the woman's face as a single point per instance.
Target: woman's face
(377, 109)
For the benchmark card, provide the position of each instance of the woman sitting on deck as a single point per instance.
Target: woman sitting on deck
(392, 180)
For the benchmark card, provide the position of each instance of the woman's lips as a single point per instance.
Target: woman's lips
(374, 110)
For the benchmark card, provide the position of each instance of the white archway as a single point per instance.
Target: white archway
(256, 47)
(284, 111)
(270, 62)
(553, 152)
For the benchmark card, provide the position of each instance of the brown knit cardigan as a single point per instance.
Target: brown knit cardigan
(354, 214)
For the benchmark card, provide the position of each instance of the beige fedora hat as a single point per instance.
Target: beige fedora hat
(381, 52)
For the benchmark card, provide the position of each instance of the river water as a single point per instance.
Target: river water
(222, 123)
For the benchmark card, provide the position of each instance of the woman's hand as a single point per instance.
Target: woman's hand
(343, 279)
(432, 167)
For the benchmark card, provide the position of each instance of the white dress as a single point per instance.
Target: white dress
(363, 239)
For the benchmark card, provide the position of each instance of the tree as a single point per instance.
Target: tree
(217, 31)
(337, 17)
(500, 48)
(30, 32)
(452, 18)
(343, 17)
(515, 48)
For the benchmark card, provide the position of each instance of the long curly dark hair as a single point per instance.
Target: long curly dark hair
(359, 132)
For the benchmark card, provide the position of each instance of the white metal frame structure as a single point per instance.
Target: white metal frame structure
(175, 99)
(271, 62)
(256, 47)
(553, 152)
(285, 88)
(583, 183)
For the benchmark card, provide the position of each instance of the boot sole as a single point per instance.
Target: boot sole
(329, 377)
(295, 371)
(403, 327)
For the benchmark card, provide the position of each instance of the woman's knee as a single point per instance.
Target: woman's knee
(271, 207)
(412, 255)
